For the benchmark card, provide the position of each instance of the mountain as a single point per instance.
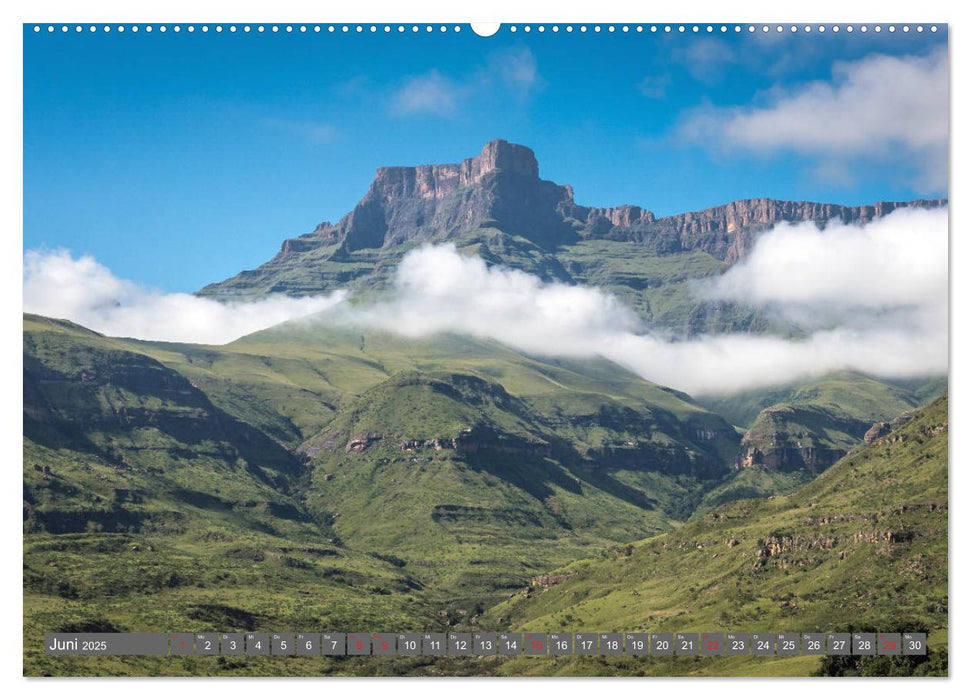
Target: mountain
(809, 425)
(463, 436)
(148, 508)
(861, 396)
(313, 477)
(308, 478)
(455, 475)
(862, 547)
(495, 205)
(92, 397)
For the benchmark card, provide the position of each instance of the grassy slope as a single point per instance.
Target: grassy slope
(466, 519)
(837, 567)
(179, 571)
(750, 483)
(172, 498)
(146, 508)
(469, 522)
(854, 394)
(289, 380)
(829, 414)
(660, 288)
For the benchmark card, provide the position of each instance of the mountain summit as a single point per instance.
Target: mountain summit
(500, 186)
(496, 206)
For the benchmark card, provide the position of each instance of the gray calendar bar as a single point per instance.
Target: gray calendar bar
(285, 644)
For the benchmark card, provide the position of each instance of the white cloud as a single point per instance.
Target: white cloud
(872, 297)
(86, 292)
(510, 72)
(728, 363)
(431, 93)
(880, 288)
(654, 87)
(899, 260)
(706, 59)
(438, 290)
(880, 108)
(516, 68)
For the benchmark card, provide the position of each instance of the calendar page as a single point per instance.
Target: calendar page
(515, 349)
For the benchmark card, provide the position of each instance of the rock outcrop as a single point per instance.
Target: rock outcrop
(883, 428)
(727, 232)
(787, 459)
(500, 192)
(499, 187)
(793, 437)
(470, 440)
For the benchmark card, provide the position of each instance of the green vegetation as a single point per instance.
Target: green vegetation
(171, 486)
(751, 483)
(852, 394)
(327, 479)
(148, 508)
(660, 287)
(454, 475)
(803, 428)
(863, 546)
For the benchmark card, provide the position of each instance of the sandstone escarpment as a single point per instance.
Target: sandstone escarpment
(500, 191)
(725, 232)
(468, 441)
(788, 459)
(499, 187)
(879, 430)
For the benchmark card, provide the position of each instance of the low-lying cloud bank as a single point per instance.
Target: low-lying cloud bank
(86, 292)
(890, 273)
(873, 298)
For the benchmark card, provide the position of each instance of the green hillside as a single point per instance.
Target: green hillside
(146, 508)
(478, 491)
(329, 479)
(173, 486)
(861, 547)
(618, 457)
(856, 395)
(795, 431)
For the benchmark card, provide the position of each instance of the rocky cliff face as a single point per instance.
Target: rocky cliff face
(725, 232)
(500, 190)
(500, 187)
(782, 458)
(879, 430)
(794, 437)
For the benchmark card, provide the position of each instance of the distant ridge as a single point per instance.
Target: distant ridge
(501, 186)
(497, 206)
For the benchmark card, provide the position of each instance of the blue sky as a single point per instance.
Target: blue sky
(180, 159)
